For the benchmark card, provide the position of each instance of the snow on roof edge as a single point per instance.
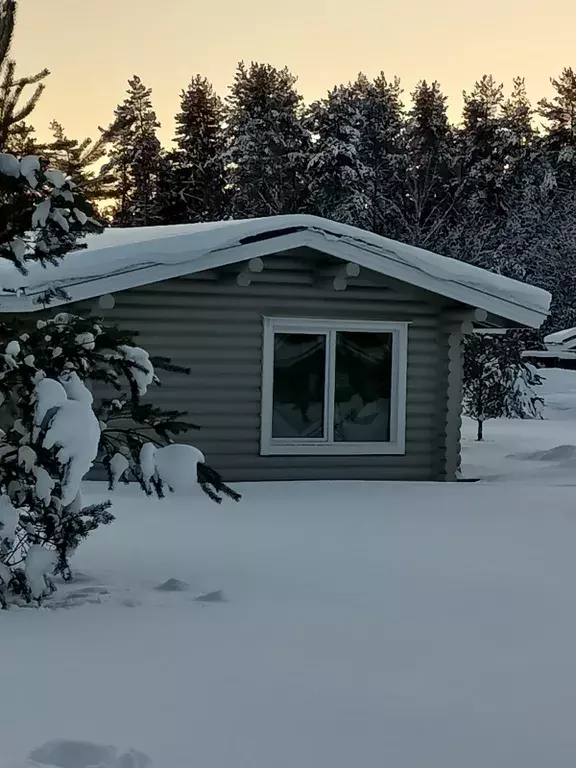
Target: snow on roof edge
(120, 259)
(561, 354)
(561, 337)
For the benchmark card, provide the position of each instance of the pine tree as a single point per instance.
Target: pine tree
(521, 186)
(381, 151)
(171, 203)
(77, 161)
(431, 187)
(518, 137)
(146, 158)
(483, 388)
(54, 432)
(22, 140)
(522, 380)
(482, 149)
(549, 255)
(12, 113)
(355, 158)
(135, 158)
(41, 217)
(524, 401)
(193, 177)
(119, 166)
(267, 143)
(480, 207)
(560, 112)
(518, 125)
(497, 381)
(558, 146)
(559, 141)
(50, 433)
(535, 243)
(532, 238)
(336, 172)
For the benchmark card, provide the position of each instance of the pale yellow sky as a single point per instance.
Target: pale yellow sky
(93, 46)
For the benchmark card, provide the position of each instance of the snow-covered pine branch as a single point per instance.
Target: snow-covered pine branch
(41, 218)
(53, 429)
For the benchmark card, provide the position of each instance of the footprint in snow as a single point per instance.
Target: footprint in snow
(176, 585)
(61, 753)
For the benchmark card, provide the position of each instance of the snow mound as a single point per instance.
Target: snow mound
(560, 453)
(84, 754)
(73, 754)
(172, 585)
(174, 465)
(212, 597)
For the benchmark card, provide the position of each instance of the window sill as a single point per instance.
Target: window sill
(333, 449)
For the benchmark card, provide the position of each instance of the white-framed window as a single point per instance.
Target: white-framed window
(333, 387)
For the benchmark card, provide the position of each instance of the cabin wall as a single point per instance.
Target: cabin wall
(215, 327)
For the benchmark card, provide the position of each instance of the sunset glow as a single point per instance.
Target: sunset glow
(92, 48)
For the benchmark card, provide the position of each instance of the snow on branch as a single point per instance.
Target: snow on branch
(43, 217)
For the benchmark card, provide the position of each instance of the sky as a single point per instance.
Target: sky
(92, 47)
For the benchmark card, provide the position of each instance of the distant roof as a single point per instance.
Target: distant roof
(565, 338)
(558, 354)
(560, 344)
(120, 259)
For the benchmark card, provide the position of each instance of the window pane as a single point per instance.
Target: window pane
(299, 373)
(363, 380)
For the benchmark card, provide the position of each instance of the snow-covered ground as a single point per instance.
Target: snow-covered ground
(402, 625)
(533, 451)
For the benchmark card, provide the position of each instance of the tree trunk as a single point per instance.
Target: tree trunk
(480, 435)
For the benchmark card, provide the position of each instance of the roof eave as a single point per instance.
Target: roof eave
(365, 256)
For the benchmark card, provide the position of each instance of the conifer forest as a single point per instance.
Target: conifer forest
(495, 187)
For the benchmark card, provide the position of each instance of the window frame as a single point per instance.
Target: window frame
(280, 446)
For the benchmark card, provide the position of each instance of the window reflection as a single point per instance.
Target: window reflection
(299, 378)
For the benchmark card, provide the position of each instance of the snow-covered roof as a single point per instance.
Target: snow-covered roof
(125, 258)
(560, 354)
(565, 338)
(560, 344)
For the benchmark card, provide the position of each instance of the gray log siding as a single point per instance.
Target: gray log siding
(209, 323)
